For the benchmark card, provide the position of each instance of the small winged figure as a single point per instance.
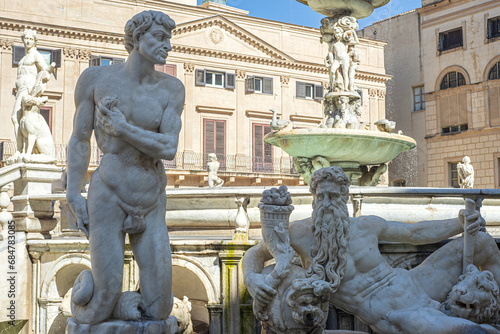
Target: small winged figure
(278, 124)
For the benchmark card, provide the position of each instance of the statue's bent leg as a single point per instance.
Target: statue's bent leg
(107, 244)
(152, 252)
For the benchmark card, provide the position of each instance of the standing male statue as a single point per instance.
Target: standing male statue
(343, 252)
(465, 173)
(31, 130)
(134, 112)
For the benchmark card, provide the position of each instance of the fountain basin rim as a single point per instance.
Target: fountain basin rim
(366, 147)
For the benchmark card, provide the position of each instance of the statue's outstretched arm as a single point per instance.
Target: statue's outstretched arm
(425, 232)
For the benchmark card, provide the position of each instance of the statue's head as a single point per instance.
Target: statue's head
(308, 300)
(475, 297)
(212, 157)
(141, 23)
(332, 177)
(29, 37)
(466, 160)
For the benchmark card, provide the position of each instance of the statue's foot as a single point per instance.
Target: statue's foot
(15, 158)
(168, 326)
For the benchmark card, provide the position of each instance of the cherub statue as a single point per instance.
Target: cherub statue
(466, 173)
(213, 167)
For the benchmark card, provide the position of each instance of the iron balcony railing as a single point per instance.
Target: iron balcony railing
(185, 160)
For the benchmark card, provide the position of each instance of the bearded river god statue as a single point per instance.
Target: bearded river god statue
(134, 112)
(341, 265)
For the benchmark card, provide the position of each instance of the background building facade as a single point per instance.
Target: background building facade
(235, 68)
(444, 58)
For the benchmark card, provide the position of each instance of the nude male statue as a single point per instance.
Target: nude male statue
(338, 59)
(134, 112)
(32, 75)
(344, 252)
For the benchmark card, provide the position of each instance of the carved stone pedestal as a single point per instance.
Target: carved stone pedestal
(168, 326)
(33, 205)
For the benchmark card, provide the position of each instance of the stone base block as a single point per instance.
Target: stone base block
(168, 326)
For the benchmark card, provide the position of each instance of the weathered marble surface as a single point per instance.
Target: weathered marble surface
(343, 252)
(134, 112)
(466, 173)
(213, 167)
(33, 137)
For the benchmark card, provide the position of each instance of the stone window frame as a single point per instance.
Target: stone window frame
(439, 33)
(487, 33)
(496, 162)
(449, 172)
(422, 98)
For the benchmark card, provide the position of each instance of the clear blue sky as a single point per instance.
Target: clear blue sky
(291, 11)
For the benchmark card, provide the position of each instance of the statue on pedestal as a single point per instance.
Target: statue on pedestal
(466, 173)
(33, 138)
(444, 294)
(134, 112)
(213, 167)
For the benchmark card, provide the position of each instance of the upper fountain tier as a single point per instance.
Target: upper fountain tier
(357, 8)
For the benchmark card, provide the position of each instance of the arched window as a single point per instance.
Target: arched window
(452, 80)
(494, 72)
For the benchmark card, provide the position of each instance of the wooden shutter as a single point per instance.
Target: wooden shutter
(267, 85)
(95, 61)
(444, 109)
(56, 57)
(301, 90)
(318, 92)
(250, 84)
(462, 110)
(200, 78)
(230, 81)
(494, 105)
(262, 152)
(170, 69)
(214, 140)
(46, 113)
(18, 52)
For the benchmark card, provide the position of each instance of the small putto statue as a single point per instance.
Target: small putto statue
(466, 173)
(213, 167)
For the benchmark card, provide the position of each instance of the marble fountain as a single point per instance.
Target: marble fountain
(343, 140)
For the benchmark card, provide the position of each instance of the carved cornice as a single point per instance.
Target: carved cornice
(261, 114)
(6, 44)
(85, 54)
(223, 23)
(240, 74)
(285, 80)
(308, 119)
(62, 31)
(71, 53)
(189, 67)
(215, 110)
(307, 67)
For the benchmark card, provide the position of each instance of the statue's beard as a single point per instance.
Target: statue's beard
(331, 235)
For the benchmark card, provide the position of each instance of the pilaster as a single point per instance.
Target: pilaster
(188, 106)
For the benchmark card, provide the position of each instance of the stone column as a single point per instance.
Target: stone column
(188, 106)
(373, 107)
(7, 82)
(215, 315)
(70, 73)
(35, 292)
(242, 133)
(230, 290)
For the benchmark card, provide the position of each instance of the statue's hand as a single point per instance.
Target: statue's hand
(473, 220)
(111, 119)
(78, 205)
(258, 288)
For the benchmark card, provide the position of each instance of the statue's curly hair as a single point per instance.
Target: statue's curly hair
(333, 173)
(141, 22)
(29, 31)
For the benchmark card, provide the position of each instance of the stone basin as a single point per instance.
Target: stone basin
(364, 147)
(357, 8)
